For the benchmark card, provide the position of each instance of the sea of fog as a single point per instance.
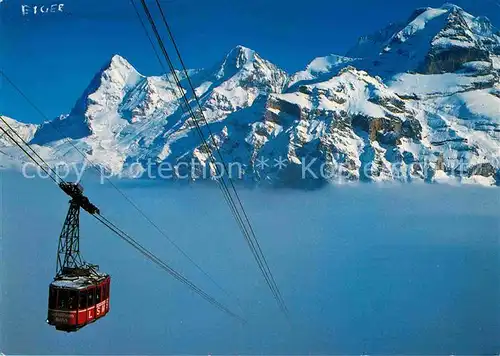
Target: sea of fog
(364, 269)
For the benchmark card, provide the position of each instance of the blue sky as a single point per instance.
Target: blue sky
(53, 57)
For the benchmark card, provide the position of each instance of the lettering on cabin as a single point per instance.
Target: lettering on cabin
(34, 10)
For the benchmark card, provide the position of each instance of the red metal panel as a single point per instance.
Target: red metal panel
(62, 317)
(109, 293)
(82, 317)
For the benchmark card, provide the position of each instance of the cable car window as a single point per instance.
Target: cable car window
(72, 299)
(105, 291)
(91, 300)
(52, 298)
(82, 300)
(98, 295)
(62, 300)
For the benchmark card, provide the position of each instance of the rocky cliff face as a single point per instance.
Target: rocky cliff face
(432, 41)
(463, 39)
(417, 101)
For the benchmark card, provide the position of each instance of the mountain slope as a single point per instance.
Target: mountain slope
(417, 101)
(432, 41)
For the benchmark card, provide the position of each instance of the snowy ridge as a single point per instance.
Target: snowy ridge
(26, 131)
(319, 68)
(417, 101)
(433, 41)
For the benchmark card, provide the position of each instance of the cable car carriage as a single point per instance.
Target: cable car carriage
(78, 298)
(79, 293)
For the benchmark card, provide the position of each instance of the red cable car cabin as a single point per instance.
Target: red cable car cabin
(76, 300)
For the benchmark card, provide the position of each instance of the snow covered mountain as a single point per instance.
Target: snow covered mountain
(432, 41)
(418, 100)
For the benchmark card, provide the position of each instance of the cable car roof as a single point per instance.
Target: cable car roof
(78, 282)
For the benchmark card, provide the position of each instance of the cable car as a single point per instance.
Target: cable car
(79, 293)
(77, 299)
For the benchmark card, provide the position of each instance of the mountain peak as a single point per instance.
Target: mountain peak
(118, 69)
(115, 75)
(117, 62)
(239, 56)
(235, 60)
(432, 41)
(451, 6)
(240, 50)
(104, 91)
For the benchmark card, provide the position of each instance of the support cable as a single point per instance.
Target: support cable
(244, 224)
